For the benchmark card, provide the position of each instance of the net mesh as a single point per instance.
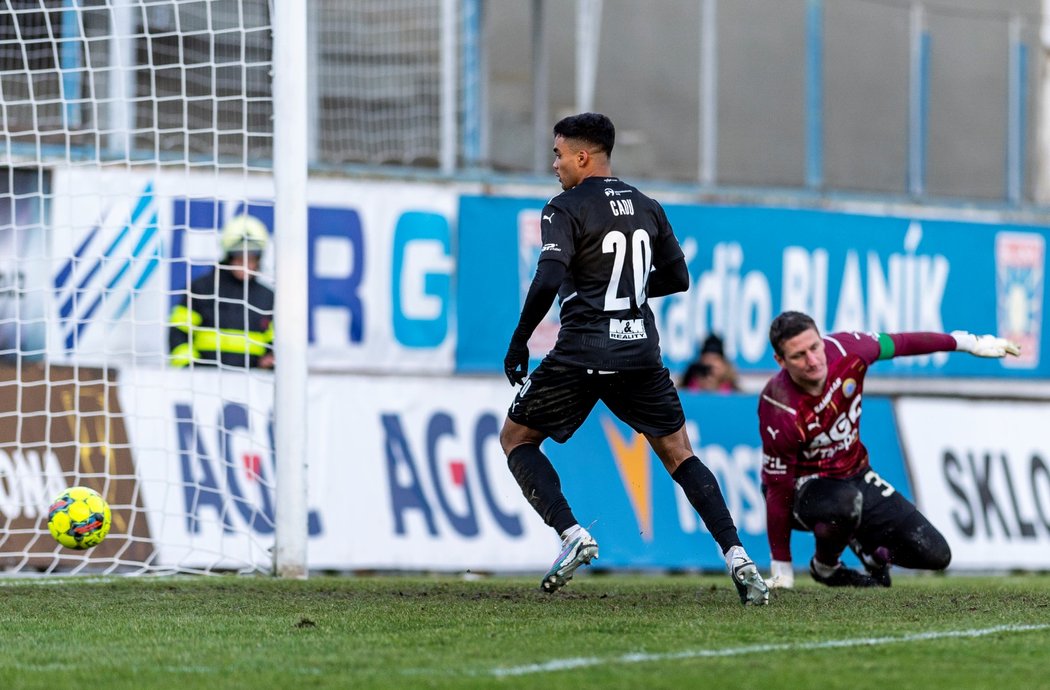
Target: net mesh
(132, 132)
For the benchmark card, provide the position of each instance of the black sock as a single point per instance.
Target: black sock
(701, 488)
(540, 484)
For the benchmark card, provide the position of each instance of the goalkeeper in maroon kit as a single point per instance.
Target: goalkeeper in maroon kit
(816, 474)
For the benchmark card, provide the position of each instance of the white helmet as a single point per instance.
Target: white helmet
(244, 233)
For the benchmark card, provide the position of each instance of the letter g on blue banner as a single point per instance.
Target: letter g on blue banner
(421, 278)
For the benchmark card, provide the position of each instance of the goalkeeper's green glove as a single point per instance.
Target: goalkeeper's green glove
(984, 345)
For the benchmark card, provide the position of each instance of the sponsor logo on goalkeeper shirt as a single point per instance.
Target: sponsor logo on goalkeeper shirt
(835, 385)
(773, 465)
(840, 436)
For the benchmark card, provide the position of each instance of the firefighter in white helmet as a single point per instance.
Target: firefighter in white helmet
(226, 318)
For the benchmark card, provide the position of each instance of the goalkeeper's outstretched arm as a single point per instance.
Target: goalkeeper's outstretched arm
(925, 343)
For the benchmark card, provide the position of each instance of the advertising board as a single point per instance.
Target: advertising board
(380, 267)
(848, 271)
(981, 472)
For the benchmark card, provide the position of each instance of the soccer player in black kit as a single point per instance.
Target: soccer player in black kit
(607, 248)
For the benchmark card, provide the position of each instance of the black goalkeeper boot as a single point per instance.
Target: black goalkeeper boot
(841, 576)
(876, 563)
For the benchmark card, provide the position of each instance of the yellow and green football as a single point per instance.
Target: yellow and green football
(79, 518)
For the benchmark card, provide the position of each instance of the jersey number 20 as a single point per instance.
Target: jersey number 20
(615, 243)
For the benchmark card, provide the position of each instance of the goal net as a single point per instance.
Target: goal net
(133, 131)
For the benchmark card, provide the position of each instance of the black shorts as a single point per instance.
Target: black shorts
(883, 509)
(557, 398)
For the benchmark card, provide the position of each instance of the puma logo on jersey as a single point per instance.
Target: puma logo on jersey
(548, 218)
(550, 247)
(772, 432)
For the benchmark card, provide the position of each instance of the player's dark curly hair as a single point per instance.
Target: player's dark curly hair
(786, 326)
(593, 128)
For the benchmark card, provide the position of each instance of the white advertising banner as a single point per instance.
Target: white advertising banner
(202, 444)
(402, 474)
(981, 474)
(124, 244)
(410, 474)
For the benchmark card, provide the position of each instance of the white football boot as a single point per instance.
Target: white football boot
(578, 548)
(749, 583)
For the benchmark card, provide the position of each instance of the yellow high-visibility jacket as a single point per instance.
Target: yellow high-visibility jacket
(222, 320)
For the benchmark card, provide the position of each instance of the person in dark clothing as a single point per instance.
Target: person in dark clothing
(226, 317)
(711, 371)
(607, 249)
(816, 473)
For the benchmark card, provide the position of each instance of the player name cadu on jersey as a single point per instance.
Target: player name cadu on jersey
(609, 235)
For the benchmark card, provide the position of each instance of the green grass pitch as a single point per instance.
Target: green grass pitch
(602, 631)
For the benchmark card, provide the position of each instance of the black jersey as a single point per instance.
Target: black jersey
(610, 236)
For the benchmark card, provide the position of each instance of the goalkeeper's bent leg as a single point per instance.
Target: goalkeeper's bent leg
(918, 544)
(832, 509)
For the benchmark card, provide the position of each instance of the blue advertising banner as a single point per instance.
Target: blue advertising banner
(639, 515)
(850, 272)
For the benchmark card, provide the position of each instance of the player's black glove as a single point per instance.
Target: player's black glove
(516, 363)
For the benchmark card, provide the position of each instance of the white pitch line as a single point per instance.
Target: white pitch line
(640, 657)
(56, 580)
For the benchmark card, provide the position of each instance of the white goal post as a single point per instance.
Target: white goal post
(290, 175)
